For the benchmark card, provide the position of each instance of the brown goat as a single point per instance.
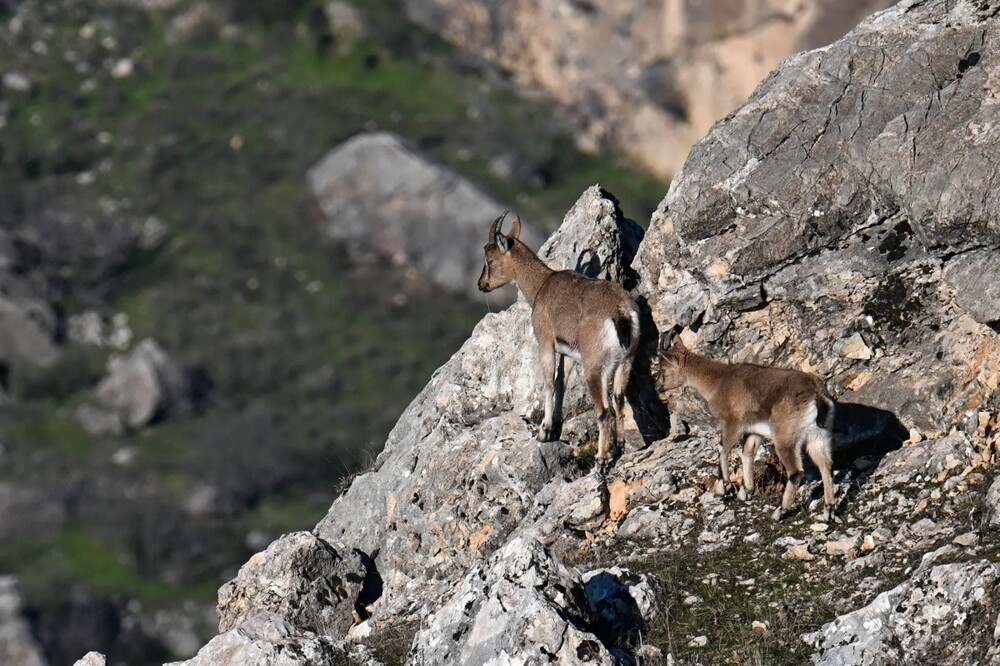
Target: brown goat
(592, 321)
(755, 402)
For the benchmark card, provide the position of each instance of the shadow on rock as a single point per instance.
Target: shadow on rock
(863, 431)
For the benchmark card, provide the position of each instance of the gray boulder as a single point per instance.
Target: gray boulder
(267, 640)
(521, 605)
(27, 329)
(300, 579)
(914, 621)
(92, 659)
(17, 645)
(834, 222)
(141, 386)
(382, 197)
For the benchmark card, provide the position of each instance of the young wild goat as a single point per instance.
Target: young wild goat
(592, 321)
(754, 402)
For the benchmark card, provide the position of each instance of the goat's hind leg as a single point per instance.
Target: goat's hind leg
(619, 385)
(598, 387)
(747, 458)
(790, 455)
(818, 446)
(551, 362)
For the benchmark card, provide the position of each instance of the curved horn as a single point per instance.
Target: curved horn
(495, 227)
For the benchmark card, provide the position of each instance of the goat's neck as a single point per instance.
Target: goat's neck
(531, 271)
(705, 376)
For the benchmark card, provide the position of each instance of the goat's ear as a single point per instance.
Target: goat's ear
(515, 230)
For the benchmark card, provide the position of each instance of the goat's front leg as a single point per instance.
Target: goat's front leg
(747, 457)
(554, 380)
(729, 438)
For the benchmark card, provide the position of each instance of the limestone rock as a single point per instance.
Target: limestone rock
(382, 197)
(462, 468)
(915, 619)
(649, 78)
(92, 659)
(623, 603)
(267, 640)
(27, 329)
(837, 202)
(522, 605)
(300, 579)
(17, 645)
(143, 385)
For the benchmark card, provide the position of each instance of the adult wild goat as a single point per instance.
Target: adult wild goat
(592, 321)
(755, 402)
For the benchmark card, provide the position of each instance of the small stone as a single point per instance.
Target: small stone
(122, 69)
(16, 82)
(841, 547)
(856, 348)
(698, 642)
(921, 505)
(692, 599)
(968, 540)
(819, 527)
(759, 627)
(868, 544)
(800, 552)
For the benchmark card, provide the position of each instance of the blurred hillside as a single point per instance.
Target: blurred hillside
(152, 180)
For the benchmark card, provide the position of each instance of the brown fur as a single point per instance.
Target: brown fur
(751, 399)
(569, 315)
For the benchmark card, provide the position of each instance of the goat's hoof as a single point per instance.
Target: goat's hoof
(742, 494)
(778, 514)
(720, 488)
(546, 434)
(827, 515)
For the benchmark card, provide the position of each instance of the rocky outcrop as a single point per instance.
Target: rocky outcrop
(299, 578)
(462, 468)
(827, 223)
(521, 604)
(17, 645)
(267, 640)
(383, 198)
(921, 620)
(648, 78)
(91, 659)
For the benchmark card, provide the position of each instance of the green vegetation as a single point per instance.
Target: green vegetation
(737, 586)
(76, 555)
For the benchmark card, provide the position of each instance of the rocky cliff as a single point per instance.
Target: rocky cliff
(841, 221)
(648, 78)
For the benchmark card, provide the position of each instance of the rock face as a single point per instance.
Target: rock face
(384, 198)
(911, 623)
(141, 386)
(476, 625)
(648, 78)
(17, 645)
(266, 640)
(829, 223)
(299, 578)
(462, 468)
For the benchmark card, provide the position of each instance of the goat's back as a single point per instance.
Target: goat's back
(571, 306)
(756, 393)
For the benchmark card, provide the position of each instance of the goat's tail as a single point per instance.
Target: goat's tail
(825, 408)
(627, 327)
